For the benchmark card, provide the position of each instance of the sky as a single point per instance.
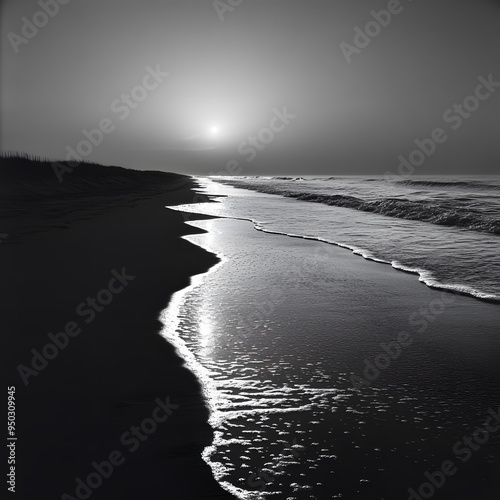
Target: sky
(254, 87)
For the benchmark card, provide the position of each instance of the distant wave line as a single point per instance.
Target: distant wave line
(400, 208)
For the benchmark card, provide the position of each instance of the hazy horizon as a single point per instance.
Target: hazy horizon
(251, 88)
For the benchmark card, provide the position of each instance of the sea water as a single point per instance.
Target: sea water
(277, 329)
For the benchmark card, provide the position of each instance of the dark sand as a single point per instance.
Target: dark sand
(106, 380)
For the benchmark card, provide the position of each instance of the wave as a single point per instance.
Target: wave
(288, 178)
(455, 184)
(411, 210)
(400, 208)
(425, 276)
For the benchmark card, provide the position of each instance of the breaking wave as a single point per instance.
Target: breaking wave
(449, 184)
(457, 214)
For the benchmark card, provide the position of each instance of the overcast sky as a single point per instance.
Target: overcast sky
(331, 104)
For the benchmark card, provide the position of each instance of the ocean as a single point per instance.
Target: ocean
(282, 330)
(445, 230)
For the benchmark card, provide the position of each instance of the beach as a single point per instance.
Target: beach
(166, 336)
(74, 409)
(330, 375)
(250, 250)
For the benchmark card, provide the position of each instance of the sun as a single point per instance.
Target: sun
(214, 130)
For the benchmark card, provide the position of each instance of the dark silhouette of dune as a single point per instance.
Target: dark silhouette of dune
(37, 177)
(33, 199)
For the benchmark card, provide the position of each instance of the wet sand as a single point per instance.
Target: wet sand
(374, 377)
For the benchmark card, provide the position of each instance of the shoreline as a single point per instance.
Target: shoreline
(393, 301)
(424, 276)
(421, 273)
(107, 380)
(127, 370)
(359, 252)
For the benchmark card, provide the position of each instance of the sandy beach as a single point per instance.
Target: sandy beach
(117, 372)
(250, 249)
(326, 373)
